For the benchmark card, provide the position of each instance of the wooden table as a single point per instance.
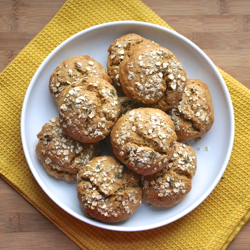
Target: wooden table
(220, 28)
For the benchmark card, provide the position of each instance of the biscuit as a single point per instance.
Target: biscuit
(153, 76)
(88, 109)
(172, 184)
(72, 70)
(127, 104)
(117, 50)
(193, 116)
(143, 140)
(108, 191)
(61, 156)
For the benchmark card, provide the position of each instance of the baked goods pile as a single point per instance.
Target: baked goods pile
(145, 107)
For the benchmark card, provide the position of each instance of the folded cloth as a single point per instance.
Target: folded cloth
(212, 225)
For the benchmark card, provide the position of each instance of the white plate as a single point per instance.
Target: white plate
(38, 108)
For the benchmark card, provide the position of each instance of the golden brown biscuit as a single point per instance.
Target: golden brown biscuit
(117, 50)
(193, 116)
(61, 156)
(171, 185)
(72, 70)
(143, 139)
(152, 76)
(88, 109)
(108, 191)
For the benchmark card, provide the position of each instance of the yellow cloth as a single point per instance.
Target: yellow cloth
(212, 225)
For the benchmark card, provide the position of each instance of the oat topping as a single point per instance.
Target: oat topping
(60, 152)
(193, 115)
(108, 190)
(117, 51)
(143, 140)
(72, 70)
(156, 78)
(173, 182)
(88, 110)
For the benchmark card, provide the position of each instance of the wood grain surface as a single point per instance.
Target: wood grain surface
(219, 27)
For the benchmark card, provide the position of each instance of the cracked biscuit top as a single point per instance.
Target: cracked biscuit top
(107, 190)
(193, 116)
(88, 109)
(61, 156)
(152, 76)
(143, 139)
(72, 70)
(171, 185)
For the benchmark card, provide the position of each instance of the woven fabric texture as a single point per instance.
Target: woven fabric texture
(212, 225)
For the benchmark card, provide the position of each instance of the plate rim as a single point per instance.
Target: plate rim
(114, 227)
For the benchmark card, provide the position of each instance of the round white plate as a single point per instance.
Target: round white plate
(38, 108)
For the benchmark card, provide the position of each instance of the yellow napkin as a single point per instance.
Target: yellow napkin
(212, 225)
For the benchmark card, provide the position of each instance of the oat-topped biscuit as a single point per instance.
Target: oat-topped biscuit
(117, 50)
(143, 139)
(107, 190)
(88, 109)
(72, 70)
(193, 116)
(61, 156)
(152, 76)
(171, 185)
